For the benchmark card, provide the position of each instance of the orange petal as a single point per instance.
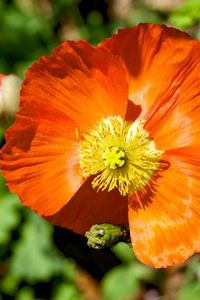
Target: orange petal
(63, 95)
(78, 81)
(174, 122)
(164, 218)
(163, 66)
(40, 163)
(89, 207)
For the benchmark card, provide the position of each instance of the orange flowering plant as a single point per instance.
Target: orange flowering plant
(111, 135)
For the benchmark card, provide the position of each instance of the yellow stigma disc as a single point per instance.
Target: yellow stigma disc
(113, 157)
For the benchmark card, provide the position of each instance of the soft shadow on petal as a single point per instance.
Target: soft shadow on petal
(133, 111)
(89, 207)
(145, 197)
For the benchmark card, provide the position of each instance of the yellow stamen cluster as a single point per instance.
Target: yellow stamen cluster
(121, 155)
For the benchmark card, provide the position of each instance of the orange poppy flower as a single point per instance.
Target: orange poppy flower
(111, 135)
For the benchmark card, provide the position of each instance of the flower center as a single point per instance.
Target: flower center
(113, 157)
(121, 154)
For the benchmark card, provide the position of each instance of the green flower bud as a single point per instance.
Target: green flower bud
(103, 235)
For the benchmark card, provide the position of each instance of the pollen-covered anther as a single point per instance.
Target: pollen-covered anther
(121, 154)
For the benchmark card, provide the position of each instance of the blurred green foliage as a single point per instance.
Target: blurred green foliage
(130, 279)
(124, 280)
(30, 29)
(9, 217)
(28, 255)
(32, 256)
(187, 15)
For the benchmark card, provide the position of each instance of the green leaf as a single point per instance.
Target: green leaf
(66, 291)
(9, 284)
(3, 186)
(144, 15)
(193, 268)
(25, 293)
(187, 15)
(68, 269)
(124, 252)
(9, 216)
(181, 20)
(120, 283)
(34, 255)
(95, 18)
(190, 291)
(142, 272)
